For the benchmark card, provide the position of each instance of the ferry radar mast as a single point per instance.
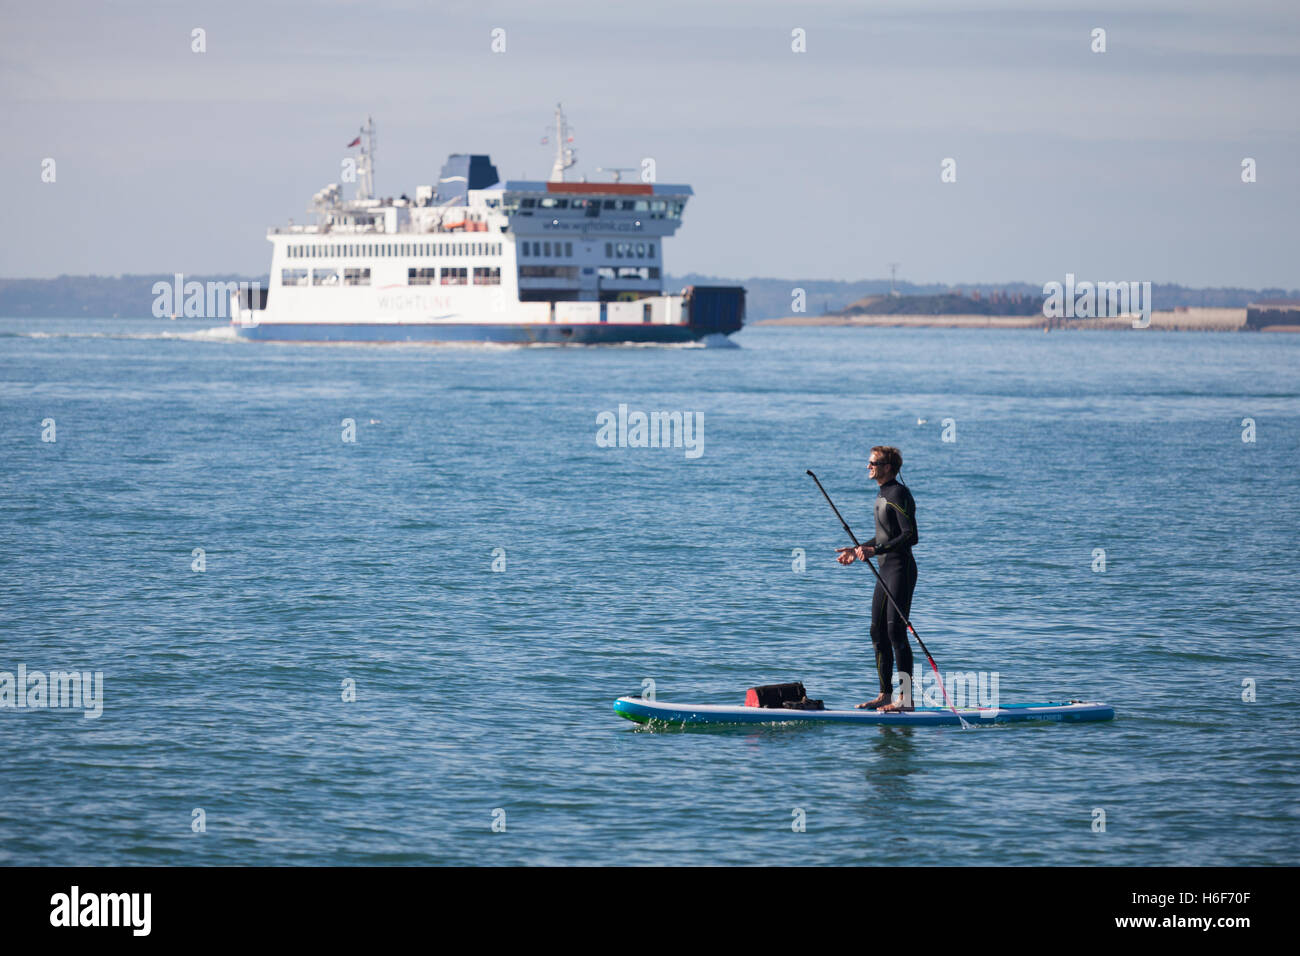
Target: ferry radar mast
(565, 155)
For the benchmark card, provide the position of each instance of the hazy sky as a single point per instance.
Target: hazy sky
(823, 164)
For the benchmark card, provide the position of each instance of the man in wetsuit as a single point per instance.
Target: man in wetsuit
(895, 536)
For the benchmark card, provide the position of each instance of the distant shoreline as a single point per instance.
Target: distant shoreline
(1178, 320)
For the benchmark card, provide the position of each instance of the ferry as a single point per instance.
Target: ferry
(476, 259)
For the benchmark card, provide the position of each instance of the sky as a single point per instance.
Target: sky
(822, 164)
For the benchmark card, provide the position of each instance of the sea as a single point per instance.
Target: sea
(372, 605)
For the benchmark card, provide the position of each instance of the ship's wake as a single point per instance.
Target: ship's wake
(218, 333)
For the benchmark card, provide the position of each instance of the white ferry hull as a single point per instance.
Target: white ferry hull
(521, 334)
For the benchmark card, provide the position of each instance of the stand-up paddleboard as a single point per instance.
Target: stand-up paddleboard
(652, 711)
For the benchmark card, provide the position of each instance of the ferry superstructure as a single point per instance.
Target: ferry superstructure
(477, 259)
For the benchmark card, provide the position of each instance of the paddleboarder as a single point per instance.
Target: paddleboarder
(895, 536)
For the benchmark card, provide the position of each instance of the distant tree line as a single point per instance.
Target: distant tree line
(103, 297)
(774, 298)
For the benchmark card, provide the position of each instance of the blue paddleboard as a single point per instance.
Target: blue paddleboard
(651, 711)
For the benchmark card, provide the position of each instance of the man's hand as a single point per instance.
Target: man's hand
(861, 553)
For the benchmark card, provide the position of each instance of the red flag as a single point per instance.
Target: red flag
(355, 142)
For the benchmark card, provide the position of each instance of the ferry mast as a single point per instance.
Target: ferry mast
(366, 163)
(565, 155)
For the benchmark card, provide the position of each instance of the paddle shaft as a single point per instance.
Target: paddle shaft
(889, 594)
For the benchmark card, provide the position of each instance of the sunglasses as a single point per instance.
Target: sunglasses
(877, 464)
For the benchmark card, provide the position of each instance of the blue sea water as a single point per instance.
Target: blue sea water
(485, 696)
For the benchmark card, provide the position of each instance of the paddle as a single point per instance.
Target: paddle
(934, 667)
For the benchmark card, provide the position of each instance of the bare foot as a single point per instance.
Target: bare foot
(896, 707)
(878, 701)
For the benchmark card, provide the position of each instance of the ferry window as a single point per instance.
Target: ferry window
(547, 203)
(651, 248)
(324, 276)
(356, 277)
(593, 208)
(646, 313)
(548, 272)
(626, 204)
(609, 204)
(293, 277)
(619, 249)
(420, 276)
(527, 203)
(454, 277)
(487, 275)
(640, 250)
(546, 248)
(642, 205)
(568, 248)
(523, 249)
(609, 250)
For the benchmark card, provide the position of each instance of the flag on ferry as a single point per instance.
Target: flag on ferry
(355, 142)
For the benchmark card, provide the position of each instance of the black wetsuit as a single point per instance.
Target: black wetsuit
(895, 535)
